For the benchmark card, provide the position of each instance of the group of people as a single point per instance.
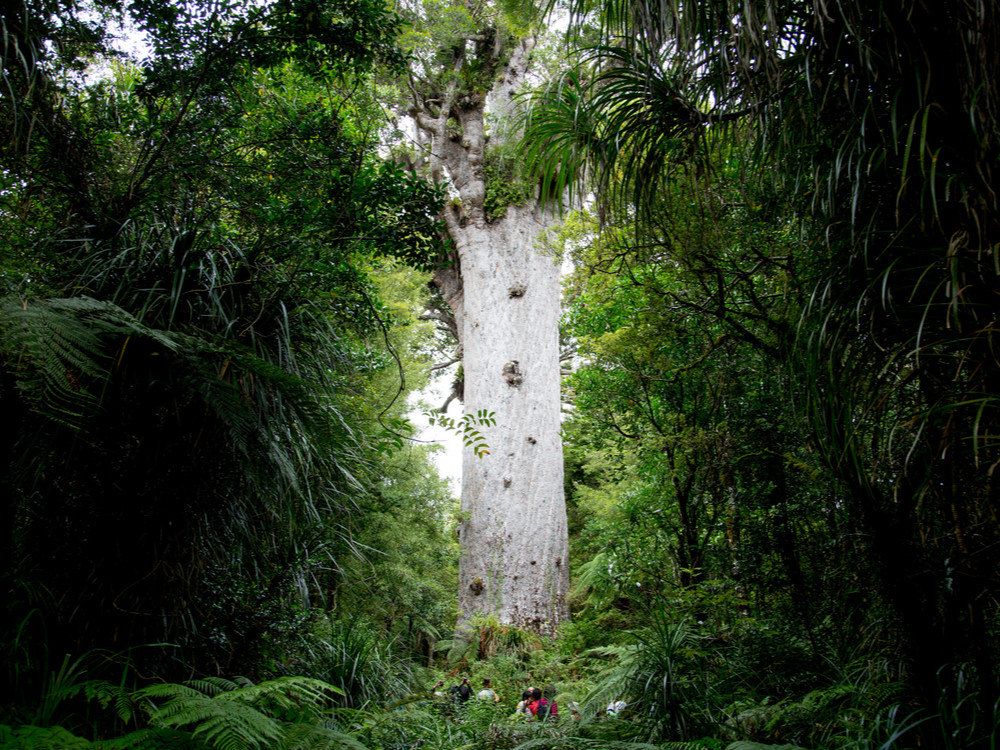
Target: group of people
(535, 704)
(462, 692)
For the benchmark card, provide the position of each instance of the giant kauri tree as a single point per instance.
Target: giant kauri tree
(504, 296)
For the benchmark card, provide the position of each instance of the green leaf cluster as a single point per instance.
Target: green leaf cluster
(504, 185)
(211, 713)
(196, 369)
(782, 317)
(466, 428)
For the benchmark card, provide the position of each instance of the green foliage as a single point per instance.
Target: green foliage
(465, 427)
(504, 187)
(659, 676)
(784, 318)
(465, 46)
(781, 457)
(359, 662)
(290, 712)
(196, 369)
(491, 638)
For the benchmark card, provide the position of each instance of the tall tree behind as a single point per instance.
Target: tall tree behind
(505, 300)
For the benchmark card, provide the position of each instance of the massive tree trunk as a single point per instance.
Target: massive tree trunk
(505, 296)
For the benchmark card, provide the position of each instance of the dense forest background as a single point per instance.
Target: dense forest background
(781, 417)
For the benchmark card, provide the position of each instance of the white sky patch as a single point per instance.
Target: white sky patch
(448, 460)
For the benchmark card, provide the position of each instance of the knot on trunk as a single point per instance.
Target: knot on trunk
(512, 373)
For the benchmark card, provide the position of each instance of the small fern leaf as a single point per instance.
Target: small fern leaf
(106, 694)
(213, 686)
(219, 723)
(302, 695)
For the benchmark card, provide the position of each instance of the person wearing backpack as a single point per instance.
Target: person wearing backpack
(464, 691)
(539, 706)
(487, 693)
(549, 694)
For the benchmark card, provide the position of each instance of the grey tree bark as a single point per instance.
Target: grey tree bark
(505, 296)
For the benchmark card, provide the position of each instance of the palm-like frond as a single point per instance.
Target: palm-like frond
(648, 124)
(559, 135)
(655, 672)
(59, 348)
(361, 664)
(626, 116)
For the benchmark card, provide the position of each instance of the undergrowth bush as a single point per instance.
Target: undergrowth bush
(359, 661)
(207, 714)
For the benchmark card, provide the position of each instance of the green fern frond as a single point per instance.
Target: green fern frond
(885, 694)
(168, 690)
(285, 696)
(61, 349)
(306, 737)
(242, 715)
(28, 736)
(234, 727)
(108, 694)
(151, 738)
(212, 686)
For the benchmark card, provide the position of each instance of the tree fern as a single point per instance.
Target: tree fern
(151, 738)
(290, 713)
(226, 725)
(59, 347)
(317, 737)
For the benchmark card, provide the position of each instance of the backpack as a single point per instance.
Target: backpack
(542, 712)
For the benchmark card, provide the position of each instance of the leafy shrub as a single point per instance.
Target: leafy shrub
(360, 662)
(207, 714)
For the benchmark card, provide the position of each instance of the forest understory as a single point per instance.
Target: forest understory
(714, 287)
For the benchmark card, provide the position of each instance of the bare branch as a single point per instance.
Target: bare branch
(451, 397)
(443, 365)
